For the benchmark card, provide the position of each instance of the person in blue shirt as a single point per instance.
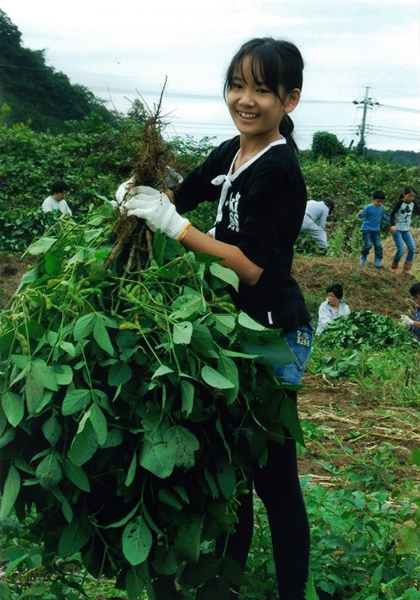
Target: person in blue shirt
(373, 214)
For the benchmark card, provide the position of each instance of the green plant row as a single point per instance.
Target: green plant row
(132, 406)
(19, 227)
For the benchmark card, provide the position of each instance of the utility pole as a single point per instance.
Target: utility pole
(367, 103)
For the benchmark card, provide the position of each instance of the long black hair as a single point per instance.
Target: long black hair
(408, 189)
(280, 65)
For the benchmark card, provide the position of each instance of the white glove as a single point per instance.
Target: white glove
(158, 212)
(121, 194)
(406, 321)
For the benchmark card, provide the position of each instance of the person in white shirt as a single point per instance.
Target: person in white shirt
(315, 219)
(56, 201)
(332, 308)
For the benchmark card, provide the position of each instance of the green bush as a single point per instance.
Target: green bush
(365, 329)
(19, 227)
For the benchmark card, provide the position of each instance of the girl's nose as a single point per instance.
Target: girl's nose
(247, 97)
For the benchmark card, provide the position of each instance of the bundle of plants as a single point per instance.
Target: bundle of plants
(365, 329)
(134, 399)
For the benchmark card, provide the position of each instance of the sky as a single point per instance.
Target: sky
(353, 50)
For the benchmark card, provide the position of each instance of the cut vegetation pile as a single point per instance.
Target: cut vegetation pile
(122, 419)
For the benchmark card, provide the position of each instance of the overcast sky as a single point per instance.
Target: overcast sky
(122, 48)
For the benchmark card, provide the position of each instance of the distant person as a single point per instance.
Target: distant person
(414, 323)
(400, 229)
(171, 179)
(315, 220)
(332, 308)
(373, 214)
(55, 201)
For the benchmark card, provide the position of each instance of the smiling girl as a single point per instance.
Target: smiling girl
(257, 182)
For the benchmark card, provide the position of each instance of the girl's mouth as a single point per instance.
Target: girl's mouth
(245, 115)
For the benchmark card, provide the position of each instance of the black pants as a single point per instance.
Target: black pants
(277, 484)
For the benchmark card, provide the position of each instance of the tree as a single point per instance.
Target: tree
(43, 96)
(327, 145)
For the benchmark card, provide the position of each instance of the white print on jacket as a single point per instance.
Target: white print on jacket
(233, 212)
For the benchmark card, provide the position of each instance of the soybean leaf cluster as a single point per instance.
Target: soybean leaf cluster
(132, 406)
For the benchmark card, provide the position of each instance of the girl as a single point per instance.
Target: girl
(261, 194)
(400, 228)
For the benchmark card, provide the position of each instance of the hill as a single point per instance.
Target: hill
(365, 288)
(31, 91)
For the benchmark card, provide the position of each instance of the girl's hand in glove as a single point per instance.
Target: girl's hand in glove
(406, 321)
(158, 212)
(121, 194)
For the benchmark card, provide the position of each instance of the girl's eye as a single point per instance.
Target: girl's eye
(263, 91)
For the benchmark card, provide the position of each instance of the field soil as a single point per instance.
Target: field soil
(361, 423)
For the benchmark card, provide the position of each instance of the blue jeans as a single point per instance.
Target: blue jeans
(372, 238)
(399, 238)
(300, 343)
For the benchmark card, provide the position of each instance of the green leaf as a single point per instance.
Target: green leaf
(119, 374)
(49, 472)
(41, 246)
(102, 338)
(185, 444)
(290, 418)
(310, 589)
(225, 274)
(226, 479)
(131, 473)
(68, 348)
(202, 341)
(10, 492)
(182, 332)
(215, 379)
(157, 458)
(188, 539)
(162, 370)
(187, 395)
(99, 422)
(186, 307)
(232, 572)
(134, 582)
(136, 541)
(76, 475)
(44, 374)
(34, 391)
(63, 373)
(73, 538)
(13, 406)
(249, 323)
(125, 519)
(212, 483)
(224, 323)
(83, 446)
(273, 352)
(229, 370)
(84, 326)
(75, 401)
(52, 430)
(416, 457)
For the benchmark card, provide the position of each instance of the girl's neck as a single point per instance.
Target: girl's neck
(251, 146)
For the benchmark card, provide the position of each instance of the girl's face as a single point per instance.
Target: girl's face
(254, 108)
(409, 197)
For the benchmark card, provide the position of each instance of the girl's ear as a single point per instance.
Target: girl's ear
(292, 100)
